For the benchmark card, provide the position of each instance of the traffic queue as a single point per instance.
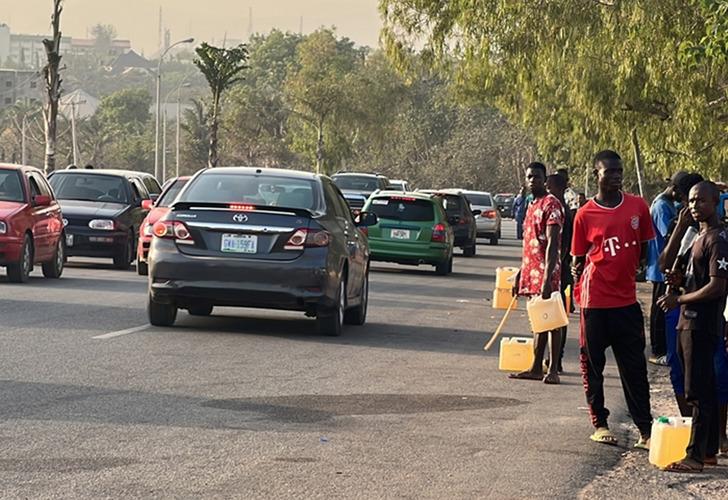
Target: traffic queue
(238, 236)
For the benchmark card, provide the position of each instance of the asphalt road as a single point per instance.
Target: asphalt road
(254, 404)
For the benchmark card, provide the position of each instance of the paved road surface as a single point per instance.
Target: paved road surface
(95, 403)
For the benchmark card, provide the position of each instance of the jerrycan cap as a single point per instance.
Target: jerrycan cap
(663, 420)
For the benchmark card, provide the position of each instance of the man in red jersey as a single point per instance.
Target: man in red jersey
(609, 242)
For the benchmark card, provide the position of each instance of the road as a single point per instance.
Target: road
(252, 404)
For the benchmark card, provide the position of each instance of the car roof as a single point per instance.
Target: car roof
(17, 166)
(467, 192)
(408, 194)
(358, 174)
(274, 172)
(104, 171)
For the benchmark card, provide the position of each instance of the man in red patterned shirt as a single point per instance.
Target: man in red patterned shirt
(540, 273)
(610, 240)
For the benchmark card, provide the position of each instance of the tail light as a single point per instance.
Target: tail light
(173, 230)
(439, 233)
(488, 214)
(307, 238)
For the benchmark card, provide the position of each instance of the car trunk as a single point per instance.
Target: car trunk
(403, 219)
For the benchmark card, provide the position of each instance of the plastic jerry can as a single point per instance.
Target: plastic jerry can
(516, 354)
(502, 298)
(547, 315)
(567, 293)
(670, 437)
(505, 277)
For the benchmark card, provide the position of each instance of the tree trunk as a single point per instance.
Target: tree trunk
(53, 87)
(212, 158)
(320, 147)
(638, 160)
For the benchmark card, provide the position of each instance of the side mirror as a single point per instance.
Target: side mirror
(366, 219)
(477, 212)
(148, 204)
(42, 200)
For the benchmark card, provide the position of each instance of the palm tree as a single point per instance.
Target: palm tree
(222, 68)
(195, 125)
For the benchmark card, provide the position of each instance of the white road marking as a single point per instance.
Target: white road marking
(122, 332)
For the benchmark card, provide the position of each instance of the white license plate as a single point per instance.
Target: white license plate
(239, 243)
(69, 240)
(400, 234)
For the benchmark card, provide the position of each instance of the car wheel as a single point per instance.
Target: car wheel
(161, 314)
(54, 267)
(142, 268)
(330, 321)
(444, 268)
(123, 258)
(494, 240)
(201, 309)
(469, 251)
(358, 315)
(19, 272)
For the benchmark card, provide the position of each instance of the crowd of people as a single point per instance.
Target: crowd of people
(597, 247)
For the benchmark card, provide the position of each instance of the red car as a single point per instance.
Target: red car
(157, 209)
(31, 225)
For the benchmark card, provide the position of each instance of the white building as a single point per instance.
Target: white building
(22, 86)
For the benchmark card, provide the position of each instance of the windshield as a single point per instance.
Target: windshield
(10, 187)
(89, 187)
(400, 186)
(410, 209)
(260, 190)
(452, 204)
(171, 193)
(356, 183)
(481, 200)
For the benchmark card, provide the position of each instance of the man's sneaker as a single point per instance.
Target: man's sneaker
(643, 443)
(659, 360)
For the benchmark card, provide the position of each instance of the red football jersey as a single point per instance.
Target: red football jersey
(611, 239)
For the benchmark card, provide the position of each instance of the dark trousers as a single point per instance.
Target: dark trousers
(519, 229)
(658, 337)
(622, 329)
(696, 350)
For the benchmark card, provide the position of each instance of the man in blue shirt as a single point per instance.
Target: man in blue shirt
(519, 211)
(663, 211)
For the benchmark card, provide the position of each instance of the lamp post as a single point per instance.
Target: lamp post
(183, 84)
(159, 104)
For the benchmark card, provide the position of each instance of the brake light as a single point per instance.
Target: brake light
(242, 208)
(439, 233)
(174, 230)
(488, 214)
(307, 238)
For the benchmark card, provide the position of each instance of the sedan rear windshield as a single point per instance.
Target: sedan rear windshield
(453, 204)
(356, 183)
(481, 200)
(410, 209)
(259, 190)
(171, 193)
(10, 187)
(89, 187)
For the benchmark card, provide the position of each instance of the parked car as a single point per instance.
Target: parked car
(462, 218)
(488, 223)
(157, 210)
(504, 201)
(102, 212)
(31, 226)
(413, 229)
(357, 187)
(264, 238)
(399, 185)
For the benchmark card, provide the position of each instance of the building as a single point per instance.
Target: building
(87, 46)
(22, 86)
(80, 102)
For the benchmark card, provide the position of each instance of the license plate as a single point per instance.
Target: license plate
(400, 234)
(69, 240)
(239, 243)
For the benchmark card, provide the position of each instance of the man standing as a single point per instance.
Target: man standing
(519, 211)
(540, 268)
(572, 199)
(700, 325)
(663, 212)
(609, 242)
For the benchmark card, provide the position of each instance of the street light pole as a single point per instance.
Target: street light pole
(157, 173)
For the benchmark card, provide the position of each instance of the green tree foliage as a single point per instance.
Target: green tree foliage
(196, 135)
(222, 69)
(579, 75)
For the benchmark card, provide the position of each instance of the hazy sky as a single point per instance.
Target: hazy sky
(203, 19)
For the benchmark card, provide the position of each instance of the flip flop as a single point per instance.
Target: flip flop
(643, 444)
(684, 467)
(552, 379)
(712, 461)
(604, 436)
(528, 375)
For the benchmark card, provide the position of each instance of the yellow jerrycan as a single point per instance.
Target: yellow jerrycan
(547, 315)
(505, 278)
(516, 354)
(670, 437)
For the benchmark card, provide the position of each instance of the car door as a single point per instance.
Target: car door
(358, 244)
(54, 217)
(136, 212)
(344, 233)
(40, 217)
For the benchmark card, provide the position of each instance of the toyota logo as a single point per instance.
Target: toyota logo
(240, 218)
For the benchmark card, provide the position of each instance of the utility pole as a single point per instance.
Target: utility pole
(74, 136)
(24, 141)
(179, 110)
(164, 145)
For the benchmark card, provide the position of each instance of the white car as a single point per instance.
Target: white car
(399, 185)
(489, 220)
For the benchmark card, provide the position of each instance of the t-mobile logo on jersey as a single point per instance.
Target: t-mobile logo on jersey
(613, 245)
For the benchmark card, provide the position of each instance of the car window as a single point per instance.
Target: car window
(482, 200)
(343, 206)
(89, 187)
(171, 193)
(261, 190)
(152, 185)
(332, 205)
(403, 208)
(140, 192)
(42, 184)
(34, 189)
(11, 188)
(357, 182)
(453, 204)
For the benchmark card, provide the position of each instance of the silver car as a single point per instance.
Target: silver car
(489, 220)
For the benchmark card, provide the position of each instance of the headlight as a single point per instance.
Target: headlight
(102, 224)
(3, 227)
(147, 231)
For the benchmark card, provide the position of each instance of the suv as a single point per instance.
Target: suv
(31, 226)
(462, 217)
(357, 187)
(505, 204)
(102, 211)
(488, 223)
(412, 229)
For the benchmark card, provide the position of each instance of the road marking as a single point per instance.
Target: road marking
(122, 332)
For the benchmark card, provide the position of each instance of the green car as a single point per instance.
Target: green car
(412, 229)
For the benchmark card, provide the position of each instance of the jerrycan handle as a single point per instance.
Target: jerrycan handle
(520, 340)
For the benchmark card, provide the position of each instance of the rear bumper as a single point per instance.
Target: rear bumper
(93, 243)
(299, 285)
(143, 247)
(487, 227)
(464, 236)
(408, 253)
(10, 249)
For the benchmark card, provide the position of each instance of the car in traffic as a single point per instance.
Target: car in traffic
(157, 209)
(488, 222)
(261, 238)
(31, 225)
(413, 229)
(357, 187)
(399, 185)
(461, 216)
(504, 202)
(102, 212)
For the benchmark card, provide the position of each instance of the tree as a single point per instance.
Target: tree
(195, 124)
(53, 86)
(222, 69)
(103, 35)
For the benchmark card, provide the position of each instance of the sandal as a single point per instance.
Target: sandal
(527, 375)
(712, 461)
(643, 444)
(685, 466)
(604, 436)
(552, 379)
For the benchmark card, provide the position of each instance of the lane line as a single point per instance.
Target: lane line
(122, 332)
